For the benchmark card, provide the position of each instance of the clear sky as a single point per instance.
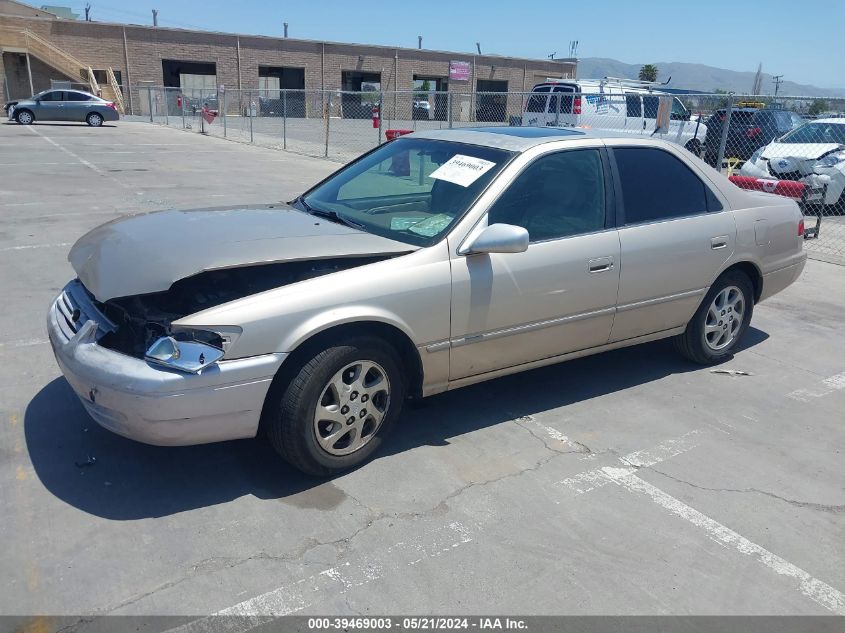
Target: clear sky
(803, 42)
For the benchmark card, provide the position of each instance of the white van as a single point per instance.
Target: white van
(609, 104)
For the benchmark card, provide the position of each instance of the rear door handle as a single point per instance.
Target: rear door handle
(719, 242)
(600, 264)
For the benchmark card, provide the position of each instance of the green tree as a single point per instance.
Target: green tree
(648, 72)
(421, 93)
(721, 103)
(818, 106)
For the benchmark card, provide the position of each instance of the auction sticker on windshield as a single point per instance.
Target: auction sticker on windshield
(462, 170)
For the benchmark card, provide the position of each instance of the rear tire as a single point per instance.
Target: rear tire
(24, 117)
(335, 409)
(95, 119)
(720, 321)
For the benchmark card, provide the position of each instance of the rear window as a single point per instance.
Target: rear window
(537, 102)
(741, 117)
(658, 186)
(650, 105)
(817, 133)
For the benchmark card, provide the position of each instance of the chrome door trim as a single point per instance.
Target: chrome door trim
(479, 337)
(663, 299)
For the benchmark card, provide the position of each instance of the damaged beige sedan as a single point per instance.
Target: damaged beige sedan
(435, 261)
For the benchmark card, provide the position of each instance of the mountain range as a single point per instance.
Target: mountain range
(700, 77)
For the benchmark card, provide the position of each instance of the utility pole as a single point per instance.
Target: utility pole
(419, 41)
(778, 80)
(87, 11)
(286, 29)
(155, 17)
(478, 46)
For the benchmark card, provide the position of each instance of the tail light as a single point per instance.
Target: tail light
(576, 105)
(111, 105)
(752, 132)
(801, 227)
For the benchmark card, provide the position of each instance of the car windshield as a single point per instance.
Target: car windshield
(412, 189)
(817, 133)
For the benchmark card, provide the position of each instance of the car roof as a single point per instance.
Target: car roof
(517, 138)
(839, 120)
(81, 92)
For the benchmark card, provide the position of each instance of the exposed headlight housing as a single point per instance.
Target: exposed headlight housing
(190, 350)
(831, 160)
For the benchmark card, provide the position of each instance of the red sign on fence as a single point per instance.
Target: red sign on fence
(208, 115)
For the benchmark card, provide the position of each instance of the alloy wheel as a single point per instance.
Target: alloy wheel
(351, 407)
(724, 318)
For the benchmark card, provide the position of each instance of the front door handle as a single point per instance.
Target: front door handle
(719, 242)
(600, 264)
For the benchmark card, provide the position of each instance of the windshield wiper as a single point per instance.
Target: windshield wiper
(332, 216)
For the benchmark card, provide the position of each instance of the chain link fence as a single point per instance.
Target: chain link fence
(757, 140)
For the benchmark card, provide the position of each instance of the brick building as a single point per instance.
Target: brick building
(38, 47)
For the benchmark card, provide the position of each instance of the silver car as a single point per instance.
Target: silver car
(435, 261)
(63, 105)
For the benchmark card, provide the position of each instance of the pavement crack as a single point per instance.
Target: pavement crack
(834, 509)
(578, 446)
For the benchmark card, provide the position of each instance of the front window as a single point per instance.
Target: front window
(51, 95)
(817, 133)
(410, 190)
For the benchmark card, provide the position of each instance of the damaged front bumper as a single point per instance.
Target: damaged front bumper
(150, 404)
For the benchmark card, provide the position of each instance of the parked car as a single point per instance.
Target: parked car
(750, 129)
(421, 110)
(613, 105)
(813, 154)
(63, 105)
(498, 250)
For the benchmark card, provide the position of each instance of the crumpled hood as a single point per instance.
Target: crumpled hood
(149, 252)
(799, 151)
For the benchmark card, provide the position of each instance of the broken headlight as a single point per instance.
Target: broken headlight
(831, 160)
(191, 350)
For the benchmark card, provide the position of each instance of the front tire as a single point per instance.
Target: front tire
(720, 321)
(694, 146)
(95, 119)
(24, 117)
(337, 408)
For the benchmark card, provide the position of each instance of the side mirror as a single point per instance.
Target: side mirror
(497, 238)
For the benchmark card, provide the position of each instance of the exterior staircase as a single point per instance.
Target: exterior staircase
(25, 41)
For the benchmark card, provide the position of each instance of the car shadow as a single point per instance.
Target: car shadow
(115, 478)
(56, 124)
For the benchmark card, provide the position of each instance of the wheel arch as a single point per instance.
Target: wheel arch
(753, 273)
(330, 334)
(19, 110)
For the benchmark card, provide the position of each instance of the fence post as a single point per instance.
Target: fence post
(251, 117)
(725, 128)
(380, 112)
(166, 107)
(558, 99)
(150, 99)
(327, 108)
(284, 118)
(449, 108)
(182, 107)
(225, 124)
